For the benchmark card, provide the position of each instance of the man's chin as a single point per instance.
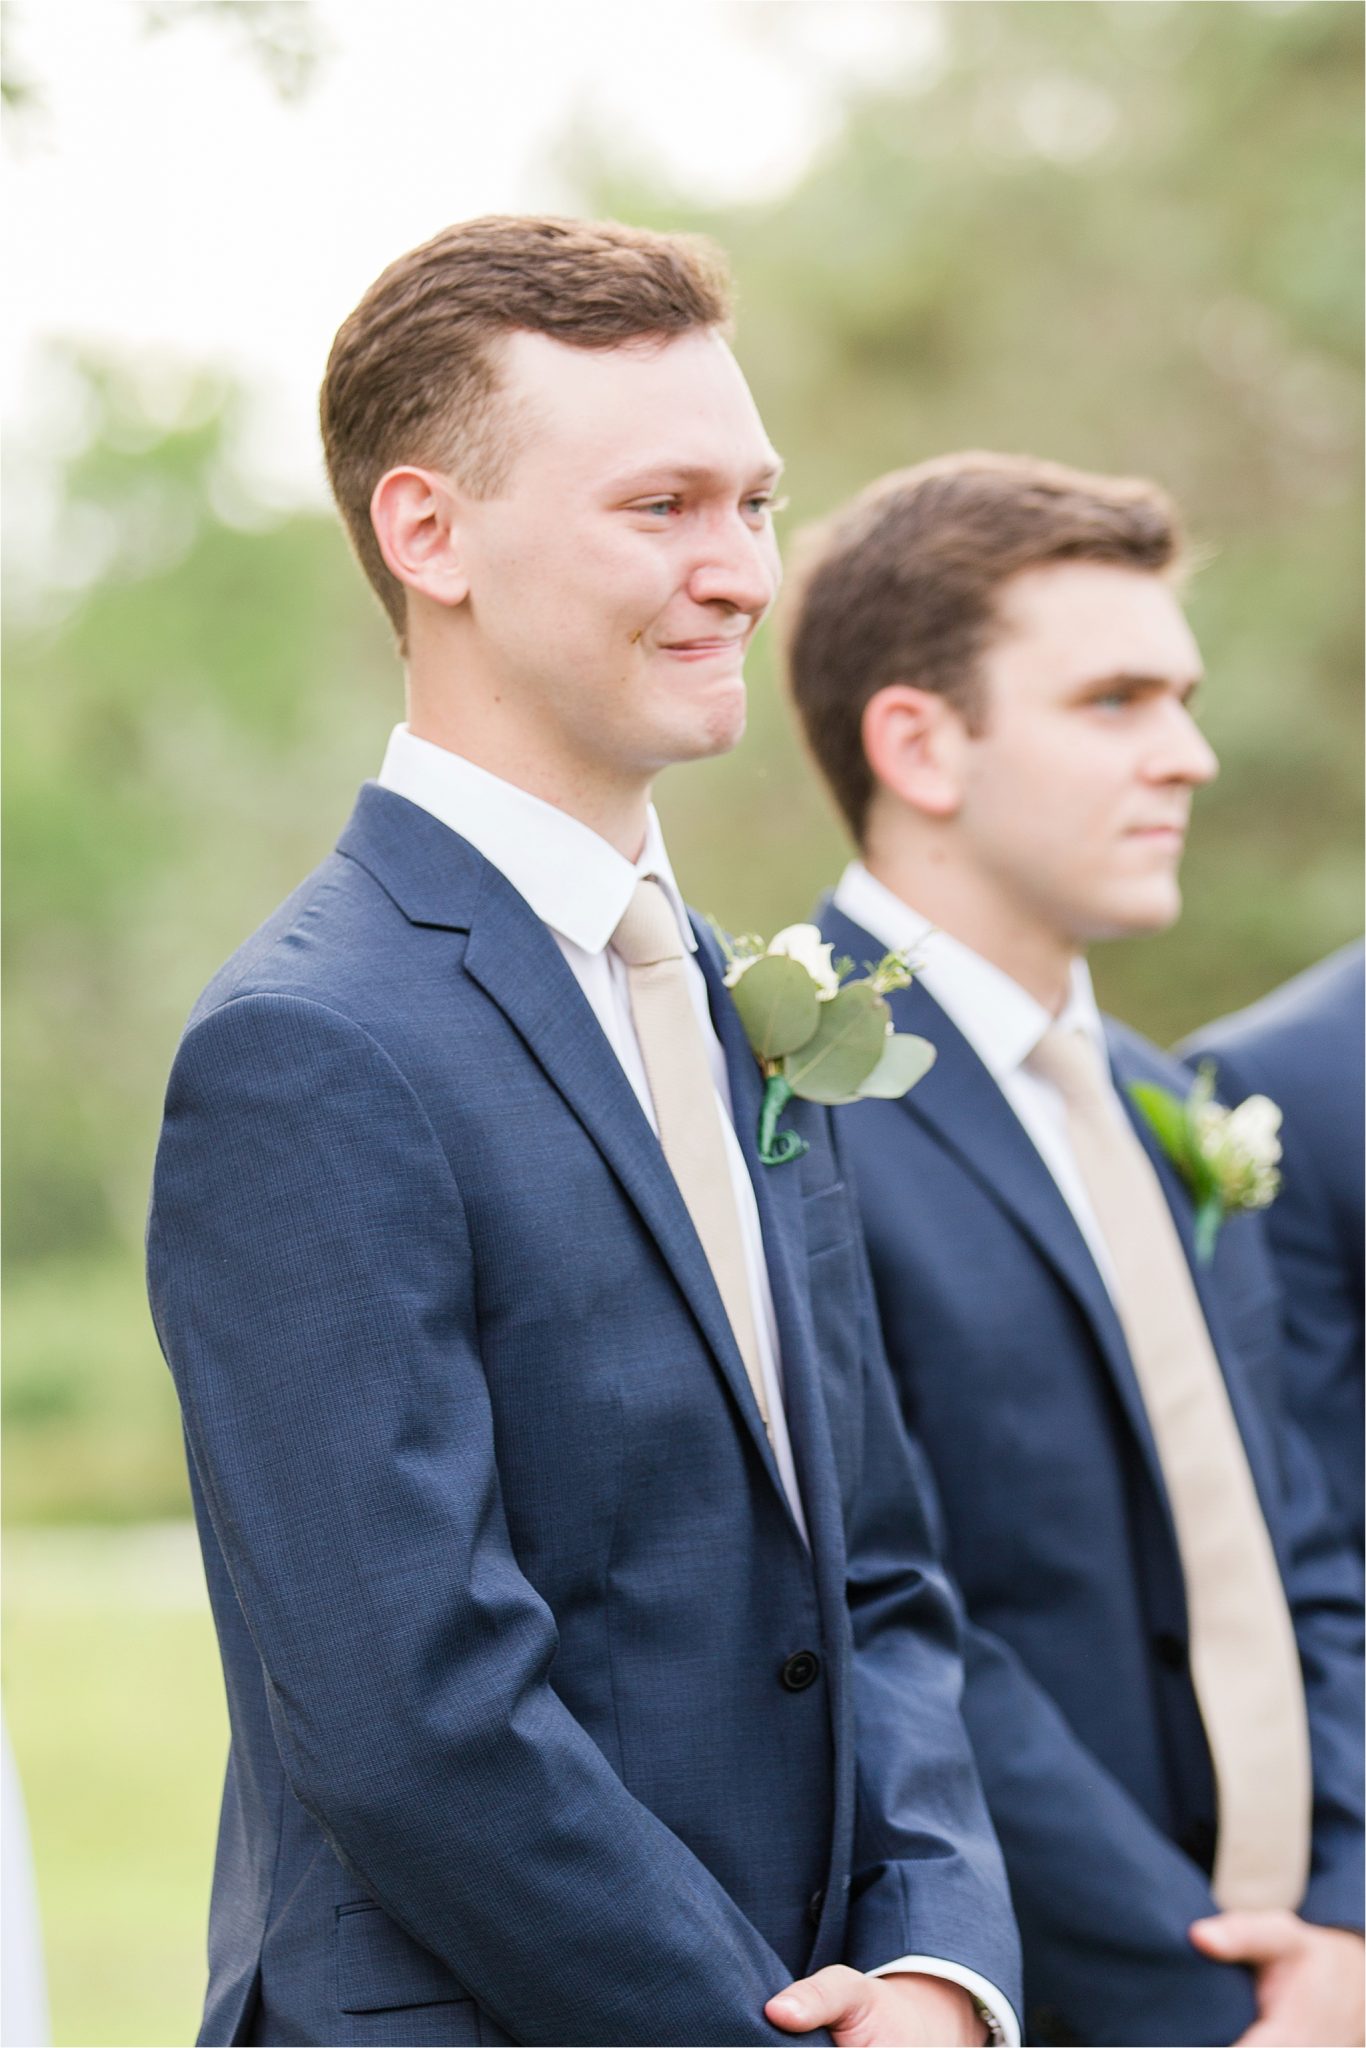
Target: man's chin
(1142, 919)
(715, 729)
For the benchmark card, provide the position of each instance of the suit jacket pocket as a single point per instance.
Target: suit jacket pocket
(379, 1967)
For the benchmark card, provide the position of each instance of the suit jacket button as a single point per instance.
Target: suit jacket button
(814, 1907)
(801, 1669)
(1171, 1651)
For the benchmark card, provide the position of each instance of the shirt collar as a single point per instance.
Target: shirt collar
(1000, 1020)
(573, 880)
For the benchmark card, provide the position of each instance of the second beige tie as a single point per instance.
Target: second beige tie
(686, 1108)
(1244, 1660)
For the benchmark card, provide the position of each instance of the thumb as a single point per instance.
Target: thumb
(1250, 1937)
(835, 1997)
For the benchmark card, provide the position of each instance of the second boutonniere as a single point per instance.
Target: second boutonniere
(817, 1034)
(1227, 1157)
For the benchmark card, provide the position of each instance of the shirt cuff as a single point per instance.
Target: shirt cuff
(996, 2007)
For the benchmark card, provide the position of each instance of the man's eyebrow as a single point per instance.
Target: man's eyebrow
(1135, 681)
(665, 474)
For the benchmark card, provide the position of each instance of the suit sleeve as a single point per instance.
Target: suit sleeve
(927, 1875)
(314, 1291)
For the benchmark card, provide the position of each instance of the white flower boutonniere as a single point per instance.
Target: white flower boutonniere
(1227, 1157)
(816, 1034)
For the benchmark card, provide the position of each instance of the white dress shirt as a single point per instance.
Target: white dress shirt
(1002, 1023)
(579, 887)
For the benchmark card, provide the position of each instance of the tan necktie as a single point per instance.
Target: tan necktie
(686, 1108)
(1244, 1661)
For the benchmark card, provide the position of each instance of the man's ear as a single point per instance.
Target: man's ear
(914, 741)
(415, 516)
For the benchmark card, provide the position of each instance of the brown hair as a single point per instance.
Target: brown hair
(413, 375)
(898, 587)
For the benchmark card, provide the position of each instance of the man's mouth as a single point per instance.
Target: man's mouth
(1159, 835)
(706, 647)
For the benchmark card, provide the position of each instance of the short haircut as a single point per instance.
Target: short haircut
(900, 586)
(413, 375)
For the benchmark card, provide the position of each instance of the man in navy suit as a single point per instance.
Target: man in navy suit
(994, 672)
(1305, 1047)
(591, 1677)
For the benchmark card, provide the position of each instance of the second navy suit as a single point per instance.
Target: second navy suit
(1014, 1374)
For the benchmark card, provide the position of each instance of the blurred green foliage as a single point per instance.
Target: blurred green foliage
(1124, 236)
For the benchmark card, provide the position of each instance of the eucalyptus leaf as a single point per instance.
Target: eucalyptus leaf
(778, 1005)
(848, 1043)
(905, 1060)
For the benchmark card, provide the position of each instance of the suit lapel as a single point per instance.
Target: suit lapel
(778, 1197)
(1127, 1065)
(517, 963)
(961, 1103)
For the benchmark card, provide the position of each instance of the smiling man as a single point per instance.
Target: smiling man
(992, 665)
(564, 1551)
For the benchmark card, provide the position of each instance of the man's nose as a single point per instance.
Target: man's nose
(1185, 755)
(739, 567)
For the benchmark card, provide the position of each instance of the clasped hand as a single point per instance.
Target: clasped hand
(896, 2011)
(1309, 1979)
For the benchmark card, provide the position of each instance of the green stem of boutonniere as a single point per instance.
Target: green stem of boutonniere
(1209, 1216)
(777, 1147)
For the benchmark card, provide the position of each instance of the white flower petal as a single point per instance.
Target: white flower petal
(803, 943)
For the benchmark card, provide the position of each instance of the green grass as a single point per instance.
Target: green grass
(115, 1709)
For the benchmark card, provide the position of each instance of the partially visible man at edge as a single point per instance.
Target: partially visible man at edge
(591, 1675)
(994, 672)
(1304, 1045)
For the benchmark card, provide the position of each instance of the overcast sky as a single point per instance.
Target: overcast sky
(164, 197)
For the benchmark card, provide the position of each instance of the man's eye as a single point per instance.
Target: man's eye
(659, 507)
(763, 502)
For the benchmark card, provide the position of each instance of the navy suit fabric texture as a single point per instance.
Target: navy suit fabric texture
(507, 1588)
(1016, 1382)
(1305, 1046)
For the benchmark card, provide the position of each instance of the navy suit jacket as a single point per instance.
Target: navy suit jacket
(1014, 1375)
(1305, 1047)
(543, 1714)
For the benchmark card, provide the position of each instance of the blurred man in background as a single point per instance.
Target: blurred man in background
(994, 673)
(1305, 1047)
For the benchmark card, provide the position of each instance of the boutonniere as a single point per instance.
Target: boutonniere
(815, 1033)
(1227, 1157)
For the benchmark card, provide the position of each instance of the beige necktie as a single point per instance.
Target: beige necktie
(686, 1108)
(1244, 1661)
